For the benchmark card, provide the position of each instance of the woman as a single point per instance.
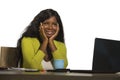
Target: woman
(43, 41)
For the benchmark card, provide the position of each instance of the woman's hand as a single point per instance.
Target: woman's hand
(51, 43)
(53, 36)
(44, 44)
(42, 33)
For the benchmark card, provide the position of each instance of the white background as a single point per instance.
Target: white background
(83, 20)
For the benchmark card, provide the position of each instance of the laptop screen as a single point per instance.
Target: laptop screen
(106, 56)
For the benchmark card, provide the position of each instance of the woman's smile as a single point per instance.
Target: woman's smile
(49, 33)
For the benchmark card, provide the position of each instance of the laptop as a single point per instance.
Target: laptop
(106, 57)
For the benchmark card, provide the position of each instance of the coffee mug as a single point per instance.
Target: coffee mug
(59, 64)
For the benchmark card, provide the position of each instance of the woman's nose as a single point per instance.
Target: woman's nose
(50, 26)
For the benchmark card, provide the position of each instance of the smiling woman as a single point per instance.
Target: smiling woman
(43, 42)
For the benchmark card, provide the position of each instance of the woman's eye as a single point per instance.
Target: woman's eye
(50, 24)
(55, 24)
(45, 24)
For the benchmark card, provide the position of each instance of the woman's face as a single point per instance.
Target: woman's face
(50, 26)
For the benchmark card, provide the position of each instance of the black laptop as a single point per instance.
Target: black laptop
(106, 57)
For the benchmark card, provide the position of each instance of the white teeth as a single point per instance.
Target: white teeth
(49, 32)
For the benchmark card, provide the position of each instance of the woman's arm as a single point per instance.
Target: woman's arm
(32, 56)
(61, 52)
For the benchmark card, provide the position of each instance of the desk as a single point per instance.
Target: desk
(21, 75)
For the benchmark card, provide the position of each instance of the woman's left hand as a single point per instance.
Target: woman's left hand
(53, 36)
(51, 44)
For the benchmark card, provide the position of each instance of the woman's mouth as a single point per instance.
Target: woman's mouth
(49, 33)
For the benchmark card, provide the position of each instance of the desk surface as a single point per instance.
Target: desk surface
(21, 75)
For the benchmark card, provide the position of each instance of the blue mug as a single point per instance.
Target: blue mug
(58, 64)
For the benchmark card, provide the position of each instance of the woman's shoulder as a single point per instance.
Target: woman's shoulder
(29, 39)
(59, 43)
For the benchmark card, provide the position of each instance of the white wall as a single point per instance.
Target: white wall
(83, 21)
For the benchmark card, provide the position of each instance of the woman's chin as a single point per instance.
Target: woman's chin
(49, 36)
